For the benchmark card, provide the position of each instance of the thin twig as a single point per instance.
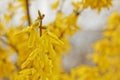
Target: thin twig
(41, 16)
(28, 12)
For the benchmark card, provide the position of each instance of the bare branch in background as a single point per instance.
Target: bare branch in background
(28, 12)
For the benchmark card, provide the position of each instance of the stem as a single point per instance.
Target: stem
(41, 18)
(28, 12)
(41, 27)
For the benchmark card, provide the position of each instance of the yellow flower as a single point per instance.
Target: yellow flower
(55, 4)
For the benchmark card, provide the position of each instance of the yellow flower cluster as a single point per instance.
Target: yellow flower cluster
(43, 54)
(40, 61)
(93, 4)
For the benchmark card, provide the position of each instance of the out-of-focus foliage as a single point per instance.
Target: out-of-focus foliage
(93, 4)
(55, 5)
(83, 4)
(106, 56)
(6, 66)
(40, 48)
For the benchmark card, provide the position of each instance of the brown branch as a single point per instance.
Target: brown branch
(28, 12)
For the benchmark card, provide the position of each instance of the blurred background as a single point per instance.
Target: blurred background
(91, 22)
